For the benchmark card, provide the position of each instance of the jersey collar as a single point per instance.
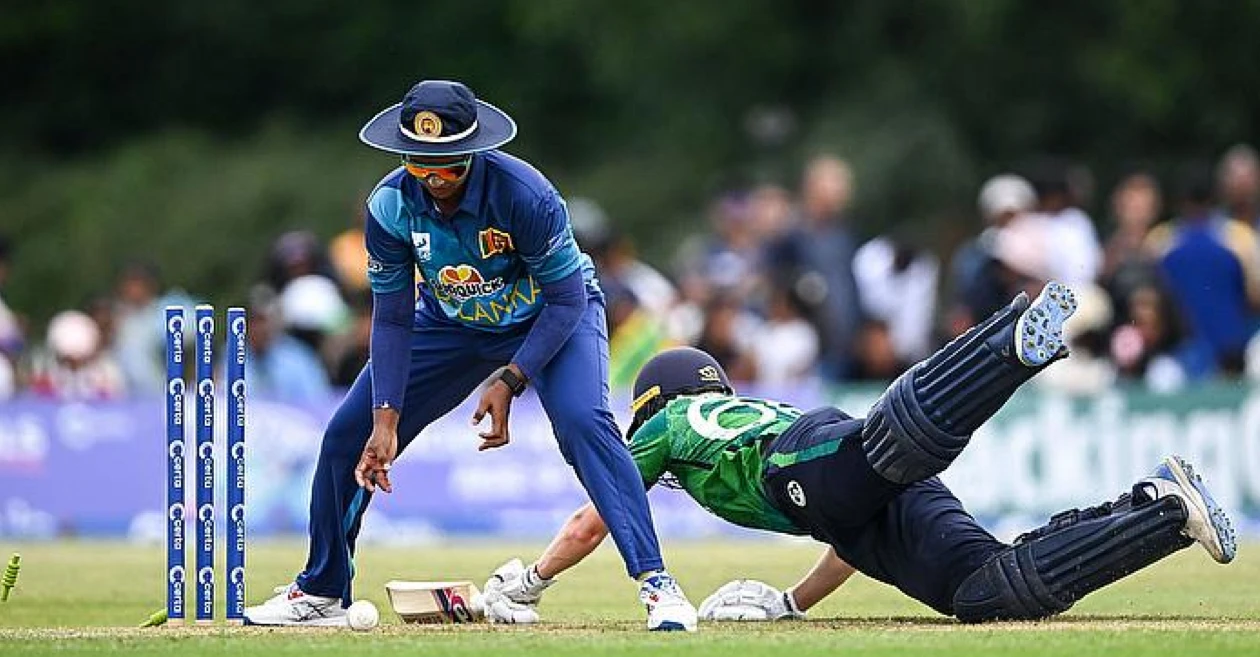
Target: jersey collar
(474, 190)
(475, 187)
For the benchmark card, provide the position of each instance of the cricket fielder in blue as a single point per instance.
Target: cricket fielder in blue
(505, 296)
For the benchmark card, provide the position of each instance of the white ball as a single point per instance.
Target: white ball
(362, 616)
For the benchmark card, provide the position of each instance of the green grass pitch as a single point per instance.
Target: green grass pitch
(87, 598)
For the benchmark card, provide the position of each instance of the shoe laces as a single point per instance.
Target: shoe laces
(663, 584)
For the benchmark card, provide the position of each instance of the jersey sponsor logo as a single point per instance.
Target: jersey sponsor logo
(463, 282)
(521, 294)
(375, 266)
(493, 242)
(424, 246)
(796, 493)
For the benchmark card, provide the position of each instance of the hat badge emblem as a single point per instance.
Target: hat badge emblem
(428, 124)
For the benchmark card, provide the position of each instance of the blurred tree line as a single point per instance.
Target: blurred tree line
(191, 134)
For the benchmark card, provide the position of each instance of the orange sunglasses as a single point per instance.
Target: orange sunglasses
(447, 171)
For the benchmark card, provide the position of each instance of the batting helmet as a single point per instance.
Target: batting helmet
(671, 373)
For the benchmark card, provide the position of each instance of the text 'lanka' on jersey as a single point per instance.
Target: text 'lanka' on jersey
(482, 267)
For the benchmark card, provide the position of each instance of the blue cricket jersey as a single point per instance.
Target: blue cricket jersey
(483, 266)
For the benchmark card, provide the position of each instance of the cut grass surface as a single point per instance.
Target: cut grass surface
(87, 597)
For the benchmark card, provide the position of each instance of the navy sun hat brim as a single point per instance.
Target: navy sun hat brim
(494, 129)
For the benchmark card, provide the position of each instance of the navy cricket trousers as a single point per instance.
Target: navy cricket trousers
(916, 537)
(447, 363)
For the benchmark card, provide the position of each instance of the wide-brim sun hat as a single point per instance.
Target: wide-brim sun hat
(439, 118)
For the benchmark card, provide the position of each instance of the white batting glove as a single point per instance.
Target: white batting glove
(499, 609)
(517, 583)
(749, 600)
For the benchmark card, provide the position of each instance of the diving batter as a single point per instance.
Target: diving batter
(868, 487)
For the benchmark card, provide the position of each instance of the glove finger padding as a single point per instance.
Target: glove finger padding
(499, 609)
(747, 600)
(736, 612)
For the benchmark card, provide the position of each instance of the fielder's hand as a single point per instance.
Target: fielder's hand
(496, 400)
(378, 456)
(749, 600)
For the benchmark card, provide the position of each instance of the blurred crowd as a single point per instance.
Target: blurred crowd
(309, 319)
(779, 285)
(784, 289)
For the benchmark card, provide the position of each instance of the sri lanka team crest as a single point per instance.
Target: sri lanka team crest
(464, 282)
(428, 124)
(494, 241)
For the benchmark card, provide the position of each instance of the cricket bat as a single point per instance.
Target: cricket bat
(436, 602)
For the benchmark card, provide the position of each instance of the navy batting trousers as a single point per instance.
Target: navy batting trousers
(916, 537)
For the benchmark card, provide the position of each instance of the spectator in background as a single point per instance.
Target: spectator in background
(11, 334)
(978, 286)
(785, 347)
(1212, 269)
(638, 299)
(727, 334)
(1072, 241)
(295, 254)
(8, 378)
(280, 366)
(312, 310)
(815, 257)
(347, 351)
(103, 310)
(1148, 343)
(1022, 261)
(876, 357)
(72, 365)
(897, 285)
(616, 258)
(347, 253)
(729, 258)
(1087, 335)
(1136, 204)
(138, 341)
(711, 262)
(1238, 180)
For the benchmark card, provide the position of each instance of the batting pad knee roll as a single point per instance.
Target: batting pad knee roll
(902, 443)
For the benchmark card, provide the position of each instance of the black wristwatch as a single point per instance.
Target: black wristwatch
(514, 383)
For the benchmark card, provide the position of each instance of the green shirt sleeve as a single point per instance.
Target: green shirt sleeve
(650, 448)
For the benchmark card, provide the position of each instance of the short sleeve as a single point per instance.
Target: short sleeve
(649, 447)
(391, 261)
(545, 240)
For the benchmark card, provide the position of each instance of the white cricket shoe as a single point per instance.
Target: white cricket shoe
(668, 608)
(292, 607)
(1206, 521)
(1039, 329)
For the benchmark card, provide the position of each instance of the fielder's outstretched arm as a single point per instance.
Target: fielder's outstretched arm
(825, 577)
